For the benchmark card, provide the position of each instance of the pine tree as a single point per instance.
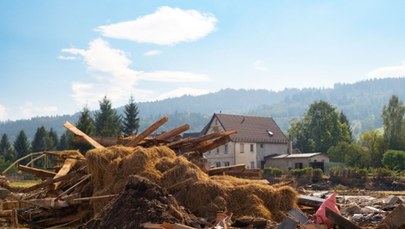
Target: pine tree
(131, 119)
(393, 115)
(85, 124)
(22, 146)
(40, 142)
(53, 139)
(108, 122)
(63, 142)
(6, 149)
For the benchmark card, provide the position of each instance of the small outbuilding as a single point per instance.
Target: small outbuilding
(286, 162)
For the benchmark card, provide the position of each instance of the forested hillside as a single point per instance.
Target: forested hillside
(362, 103)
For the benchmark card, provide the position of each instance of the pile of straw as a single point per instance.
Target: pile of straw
(193, 188)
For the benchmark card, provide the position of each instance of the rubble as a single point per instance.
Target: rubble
(163, 182)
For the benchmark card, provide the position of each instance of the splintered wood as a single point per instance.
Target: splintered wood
(64, 197)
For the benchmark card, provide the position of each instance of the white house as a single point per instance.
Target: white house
(256, 138)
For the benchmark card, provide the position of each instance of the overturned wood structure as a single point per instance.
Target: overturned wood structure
(73, 193)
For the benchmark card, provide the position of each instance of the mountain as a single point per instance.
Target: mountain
(362, 102)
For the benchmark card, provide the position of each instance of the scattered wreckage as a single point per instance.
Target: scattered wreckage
(163, 182)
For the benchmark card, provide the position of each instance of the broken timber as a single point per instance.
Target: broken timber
(148, 131)
(36, 172)
(79, 133)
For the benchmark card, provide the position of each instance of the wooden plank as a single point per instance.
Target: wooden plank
(36, 172)
(173, 132)
(66, 220)
(220, 170)
(148, 131)
(310, 201)
(78, 132)
(212, 145)
(67, 166)
(339, 220)
(47, 183)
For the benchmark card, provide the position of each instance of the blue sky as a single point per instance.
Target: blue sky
(58, 56)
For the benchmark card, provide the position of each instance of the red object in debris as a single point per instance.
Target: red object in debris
(320, 214)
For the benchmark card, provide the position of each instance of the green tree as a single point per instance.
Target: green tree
(63, 142)
(394, 159)
(6, 150)
(131, 119)
(392, 116)
(319, 129)
(374, 142)
(344, 121)
(108, 122)
(53, 139)
(85, 124)
(22, 145)
(41, 140)
(352, 154)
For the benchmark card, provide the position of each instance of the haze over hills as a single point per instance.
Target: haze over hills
(362, 102)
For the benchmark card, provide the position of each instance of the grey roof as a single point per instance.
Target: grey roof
(296, 155)
(250, 128)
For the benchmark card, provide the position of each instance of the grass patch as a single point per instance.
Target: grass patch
(24, 183)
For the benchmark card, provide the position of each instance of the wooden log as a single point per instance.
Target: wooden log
(173, 132)
(148, 131)
(36, 172)
(220, 170)
(78, 132)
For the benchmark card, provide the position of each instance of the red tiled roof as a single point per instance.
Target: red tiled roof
(251, 128)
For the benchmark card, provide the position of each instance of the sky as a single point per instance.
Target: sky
(56, 57)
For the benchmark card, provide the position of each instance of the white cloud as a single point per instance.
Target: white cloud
(60, 57)
(173, 76)
(111, 76)
(259, 65)
(389, 71)
(29, 110)
(110, 71)
(152, 53)
(3, 113)
(167, 26)
(183, 91)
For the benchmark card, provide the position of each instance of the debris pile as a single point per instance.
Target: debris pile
(149, 179)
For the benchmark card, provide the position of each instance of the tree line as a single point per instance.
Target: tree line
(325, 129)
(106, 123)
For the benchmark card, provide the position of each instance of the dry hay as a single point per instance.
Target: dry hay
(193, 188)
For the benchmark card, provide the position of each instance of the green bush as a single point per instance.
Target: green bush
(349, 176)
(394, 160)
(317, 175)
(273, 172)
(303, 176)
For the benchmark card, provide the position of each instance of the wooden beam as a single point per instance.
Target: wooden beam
(174, 132)
(220, 170)
(20, 159)
(78, 132)
(310, 201)
(67, 166)
(339, 220)
(36, 172)
(47, 182)
(148, 131)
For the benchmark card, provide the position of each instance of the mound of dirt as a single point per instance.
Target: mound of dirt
(142, 201)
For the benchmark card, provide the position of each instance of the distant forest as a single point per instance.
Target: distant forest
(361, 102)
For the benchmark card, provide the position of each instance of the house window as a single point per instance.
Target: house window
(251, 147)
(226, 163)
(218, 164)
(226, 148)
(261, 145)
(242, 146)
(217, 150)
(298, 165)
(252, 164)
